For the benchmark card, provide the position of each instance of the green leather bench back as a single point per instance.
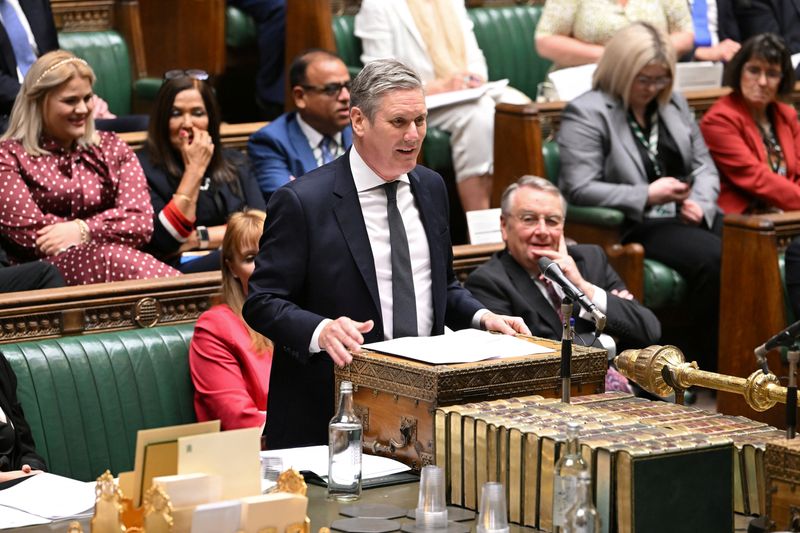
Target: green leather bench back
(240, 29)
(506, 36)
(85, 397)
(348, 46)
(107, 53)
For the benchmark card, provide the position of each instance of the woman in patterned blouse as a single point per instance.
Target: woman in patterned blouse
(574, 32)
(72, 196)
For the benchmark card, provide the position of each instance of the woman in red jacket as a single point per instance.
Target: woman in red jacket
(230, 363)
(752, 136)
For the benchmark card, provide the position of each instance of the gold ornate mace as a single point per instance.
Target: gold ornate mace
(663, 369)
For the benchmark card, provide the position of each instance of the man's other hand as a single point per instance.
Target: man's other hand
(341, 336)
(509, 325)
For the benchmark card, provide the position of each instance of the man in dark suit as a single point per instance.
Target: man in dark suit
(318, 132)
(38, 17)
(356, 251)
(781, 17)
(532, 224)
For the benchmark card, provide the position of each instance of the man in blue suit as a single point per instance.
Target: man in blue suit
(316, 134)
(356, 251)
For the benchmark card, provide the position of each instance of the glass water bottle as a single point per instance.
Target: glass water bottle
(344, 449)
(583, 516)
(565, 482)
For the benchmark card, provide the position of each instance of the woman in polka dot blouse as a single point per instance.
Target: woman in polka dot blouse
(68, 194)
(195, 184)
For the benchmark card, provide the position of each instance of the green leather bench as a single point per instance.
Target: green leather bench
(663, 286)
(108, 55)
(85, 397)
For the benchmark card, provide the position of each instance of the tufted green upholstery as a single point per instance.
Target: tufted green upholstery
(348, 46)
(107, 53)
(85, 397)
(240, 29)
(505, 34)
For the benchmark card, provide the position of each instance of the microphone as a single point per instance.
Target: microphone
(553, 272)
(784, 338)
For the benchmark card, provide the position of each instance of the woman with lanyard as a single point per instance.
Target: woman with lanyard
(633, 145)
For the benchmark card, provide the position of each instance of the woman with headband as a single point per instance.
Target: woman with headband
(72, 196)
(195, 183)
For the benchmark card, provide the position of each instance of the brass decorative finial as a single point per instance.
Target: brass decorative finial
(662, 369)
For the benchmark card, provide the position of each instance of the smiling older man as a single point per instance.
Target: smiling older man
(532, 224)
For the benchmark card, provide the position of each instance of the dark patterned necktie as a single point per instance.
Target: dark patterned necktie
(328, 147)
(552, 295)
(404, 301)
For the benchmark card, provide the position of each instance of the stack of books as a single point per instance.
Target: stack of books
(654, 464)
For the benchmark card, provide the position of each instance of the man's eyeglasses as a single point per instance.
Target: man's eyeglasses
(330, 89)
(658, 83)
(194, 73)
(530, 220)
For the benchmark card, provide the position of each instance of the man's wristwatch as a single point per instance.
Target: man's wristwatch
(202, 236)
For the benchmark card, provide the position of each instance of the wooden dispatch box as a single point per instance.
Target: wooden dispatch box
(782, 465)
(396, 397)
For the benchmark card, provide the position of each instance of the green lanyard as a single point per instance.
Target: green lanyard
(651, 143)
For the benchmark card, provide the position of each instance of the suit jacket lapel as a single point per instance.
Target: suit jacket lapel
(679, 131)
(301, 147)
(619, 122)
(347, 210)
(530, 292)
(427, 212)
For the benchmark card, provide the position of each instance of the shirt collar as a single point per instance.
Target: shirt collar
(364, 177)
(314, 137)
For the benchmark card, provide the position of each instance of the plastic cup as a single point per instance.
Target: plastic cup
(493, 515)
(431, 507)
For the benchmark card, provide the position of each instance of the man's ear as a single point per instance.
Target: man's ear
(503, 222)
(358, 121)
(298, 95)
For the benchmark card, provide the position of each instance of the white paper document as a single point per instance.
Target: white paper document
(13, 518)
(484, 226)
(464, 346)
(315, 459)
(456, 97)
(573, 81)
(49, 496)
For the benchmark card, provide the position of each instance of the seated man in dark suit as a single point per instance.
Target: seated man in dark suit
(317, 133)
(532, 223)
(356, 251)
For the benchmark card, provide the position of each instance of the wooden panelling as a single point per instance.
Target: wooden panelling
(83, 15)
(106, 306)
(752, 305)
(181, 34)
(232, 135)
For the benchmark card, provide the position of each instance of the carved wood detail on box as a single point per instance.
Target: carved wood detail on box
(782, 465)
(83, 15)
(27, 326)
(362, 412)
(451, 385)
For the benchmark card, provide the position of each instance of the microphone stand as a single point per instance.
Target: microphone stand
(566, 349)
(791, 392)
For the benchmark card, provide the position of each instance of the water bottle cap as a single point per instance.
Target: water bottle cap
(572, 424)
(346, 386)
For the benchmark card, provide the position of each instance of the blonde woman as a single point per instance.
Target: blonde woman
(230, 363)
(72, 196)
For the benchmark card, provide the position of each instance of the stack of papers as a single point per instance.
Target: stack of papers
(42, 498)
(463, 346)
(315, 459)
